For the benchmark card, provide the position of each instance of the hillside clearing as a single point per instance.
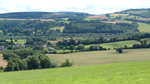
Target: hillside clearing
(61, 28)
(18, 41)
(148, 40)
(143, 27)
(101, 57)
(118, 73)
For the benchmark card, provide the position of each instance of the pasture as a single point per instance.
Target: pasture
(148, 40)
(101, 57)
(143, 27)
(116, 44)
(117, 73)
(61, 28)
(18, 41)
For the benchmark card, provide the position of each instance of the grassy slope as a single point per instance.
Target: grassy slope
(116, 44)
(143, 27)
(119, 73)
(61, 28)
(18, 41)
(148, 40)
(101, 57)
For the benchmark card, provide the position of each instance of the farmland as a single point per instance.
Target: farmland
(116, 44)
(117, 73)
(114, 15)
(148, 40)
(101, 57)
(61, 28)
(143, 27)
(98, 17)
(18, 41)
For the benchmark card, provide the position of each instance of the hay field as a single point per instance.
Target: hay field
(101, 57)
(116, 44)
(98, 17)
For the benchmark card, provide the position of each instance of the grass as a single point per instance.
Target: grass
(143, 27)
(116, 44)
(101, 57)
(65, 18)
(18, 41)
(61, 28)
(148, 40)
(118, 73)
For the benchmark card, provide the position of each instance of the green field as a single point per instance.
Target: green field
(143, 27)
(117, 73)
(65, 18)
(101, 57)
(148, 40)
(116, 44)
(18, 41)
(61, 28)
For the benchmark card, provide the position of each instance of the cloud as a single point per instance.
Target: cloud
(89, 6)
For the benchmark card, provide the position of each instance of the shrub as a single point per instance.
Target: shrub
(119, 50)
(66, 64)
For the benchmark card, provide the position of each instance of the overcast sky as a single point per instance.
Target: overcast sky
(88, 6)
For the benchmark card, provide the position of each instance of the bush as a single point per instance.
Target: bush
(119, 50)
(66, 64)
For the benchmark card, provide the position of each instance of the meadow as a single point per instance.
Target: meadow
(148, 40)
(101, 57)
(18, 41)
(143, 27)
(61, 28)
(116, 44)
(117, 73)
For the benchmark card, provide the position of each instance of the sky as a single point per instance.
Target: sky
(87, 6)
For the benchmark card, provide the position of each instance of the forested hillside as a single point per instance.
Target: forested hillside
(73, 24)
(99, 27)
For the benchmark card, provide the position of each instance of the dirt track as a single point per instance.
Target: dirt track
(3, 63)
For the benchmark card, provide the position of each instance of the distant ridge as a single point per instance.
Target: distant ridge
(23, 14)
